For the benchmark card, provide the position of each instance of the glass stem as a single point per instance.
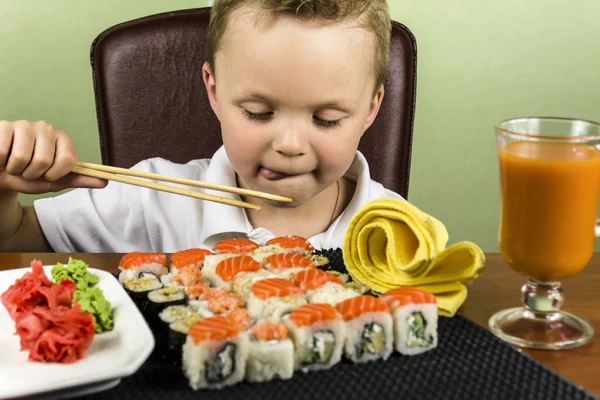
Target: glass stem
(542, 299)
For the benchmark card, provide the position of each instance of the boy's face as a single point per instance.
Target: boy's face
(293, 98)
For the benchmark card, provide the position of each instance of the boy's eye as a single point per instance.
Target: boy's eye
(257, 116)
(326, 123)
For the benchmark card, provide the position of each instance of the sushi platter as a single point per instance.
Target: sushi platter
(241, 312)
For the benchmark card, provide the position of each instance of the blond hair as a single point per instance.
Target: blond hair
(372, 15)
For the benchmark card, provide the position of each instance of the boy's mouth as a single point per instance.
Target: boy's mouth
(272, 175)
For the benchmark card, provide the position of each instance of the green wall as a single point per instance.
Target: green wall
(479, 62)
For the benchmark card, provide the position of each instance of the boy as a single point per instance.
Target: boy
(294, 83)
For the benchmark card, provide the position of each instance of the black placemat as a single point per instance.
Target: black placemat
(469, 363)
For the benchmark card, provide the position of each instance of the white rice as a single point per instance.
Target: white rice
(270, 359)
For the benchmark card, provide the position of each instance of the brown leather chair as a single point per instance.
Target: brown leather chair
(151, 100)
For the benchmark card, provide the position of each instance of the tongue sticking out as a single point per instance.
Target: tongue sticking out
(272, 175)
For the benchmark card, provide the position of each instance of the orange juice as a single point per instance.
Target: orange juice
(550, 194)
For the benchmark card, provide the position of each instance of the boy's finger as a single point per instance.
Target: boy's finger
(65, 158)
(22, 149)
(43, 157)
(81, 181)
(40, 186)
(6, 137)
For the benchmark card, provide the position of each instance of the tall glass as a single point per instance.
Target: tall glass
(550, 187)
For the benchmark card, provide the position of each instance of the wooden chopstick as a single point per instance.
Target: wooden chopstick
(157, 186)
(182, 181)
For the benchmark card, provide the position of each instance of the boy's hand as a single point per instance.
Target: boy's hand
(37, 158)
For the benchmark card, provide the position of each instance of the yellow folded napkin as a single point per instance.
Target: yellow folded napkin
(391, 243)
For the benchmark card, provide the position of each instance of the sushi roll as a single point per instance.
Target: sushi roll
(288, 264)
(270, 353)
(322, 287)
(209, 270)
(270, 299)
(214, 354)
(282, 244)
(217, 301)
(317, 331)
(415, 317)
(243, 282)
(159, 299)
(291, 243)
(164, 335)
(368, 330)
(176, 335)
(201, 307)
(134, 264)
(188, 258)
(240, 319)
(228, 269)
(139, 288)
(235, 246)
(183, 277)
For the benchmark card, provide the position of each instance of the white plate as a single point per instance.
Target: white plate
(112, 355)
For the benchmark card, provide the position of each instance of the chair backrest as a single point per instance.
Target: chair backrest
(151, 100)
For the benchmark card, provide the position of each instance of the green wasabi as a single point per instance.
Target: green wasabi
(76, 271)
(90, 298)
(92, 301)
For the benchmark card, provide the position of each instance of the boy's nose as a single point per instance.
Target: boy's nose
(290, 142)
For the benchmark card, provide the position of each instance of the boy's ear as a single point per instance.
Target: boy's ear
(211, 88)
(374, 108)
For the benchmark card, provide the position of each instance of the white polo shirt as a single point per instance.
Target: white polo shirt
(124, 218)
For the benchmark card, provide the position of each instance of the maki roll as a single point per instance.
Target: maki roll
(134, 264)
(139, 288)
(368, 330)
(415, 317)
(272, 298)
(287, 264)
(214, 354)
(317, 331)
(176, 336)
(168, 334)
(270, 353)
(159, 299)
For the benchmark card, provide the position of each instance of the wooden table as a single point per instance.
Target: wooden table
(497, 288)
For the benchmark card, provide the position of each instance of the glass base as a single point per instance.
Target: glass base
(547, 330)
